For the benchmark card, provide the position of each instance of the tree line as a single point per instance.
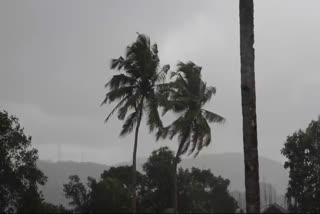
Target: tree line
(199, 190)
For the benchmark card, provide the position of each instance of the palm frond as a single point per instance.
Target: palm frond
(115, 108)
(162, 133)
(208, 93)
(117, 63)
(120, 80)
(161, 77)
(190, 70)
(154, 48)
(153, 118)
(195, 136)
(176, 126)
(172, 74)
(182, 82)
(184, 138)
(165, 87)
(205, 136)
(143, 40)
(129, 123)
(212, 117)
(185, 67)
(118, 94)
(165, 69)
(205, 139)
(176, 106)
(130, 104)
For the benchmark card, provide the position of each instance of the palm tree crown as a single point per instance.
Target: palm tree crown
(187, 95)
(135, 85)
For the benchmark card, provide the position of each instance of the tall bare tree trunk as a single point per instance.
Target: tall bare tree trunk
(134, 160)
(248, 94)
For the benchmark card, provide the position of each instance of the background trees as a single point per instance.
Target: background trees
(202, 192)
(158, 180)
(109, 195)
(302, 150)
(19, 175)
(199, 190)
(78, 194)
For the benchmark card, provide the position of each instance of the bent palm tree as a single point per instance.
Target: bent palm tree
(134, 90)
(248, 95)
(187, 95)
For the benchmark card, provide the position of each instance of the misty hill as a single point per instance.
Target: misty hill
(58, 174)
(229, 166)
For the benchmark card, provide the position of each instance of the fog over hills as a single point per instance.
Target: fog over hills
(58, 174)
(229, 165)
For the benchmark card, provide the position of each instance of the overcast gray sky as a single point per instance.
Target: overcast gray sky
(54, 62)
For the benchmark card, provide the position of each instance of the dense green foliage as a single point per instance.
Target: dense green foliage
(50, 208)
(186, 95)
(109, 194)
(78, 194)
(19, 175)
(134, 87)
(158, 186)
(302, 151)
(199, 190)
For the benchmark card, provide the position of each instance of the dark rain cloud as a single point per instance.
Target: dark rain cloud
(54, 60)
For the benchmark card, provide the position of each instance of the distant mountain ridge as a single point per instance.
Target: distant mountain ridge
(229, 165)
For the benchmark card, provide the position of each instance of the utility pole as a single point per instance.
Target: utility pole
(59, 153)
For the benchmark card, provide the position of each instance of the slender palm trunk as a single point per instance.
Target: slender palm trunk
(248, 94)
(134, 160)
(175, 187)
(175, 181)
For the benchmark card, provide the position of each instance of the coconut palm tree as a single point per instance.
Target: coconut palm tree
(186, 95)
(134, 91)
(248, 94)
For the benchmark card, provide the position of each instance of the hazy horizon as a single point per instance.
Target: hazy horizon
(146, 157)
